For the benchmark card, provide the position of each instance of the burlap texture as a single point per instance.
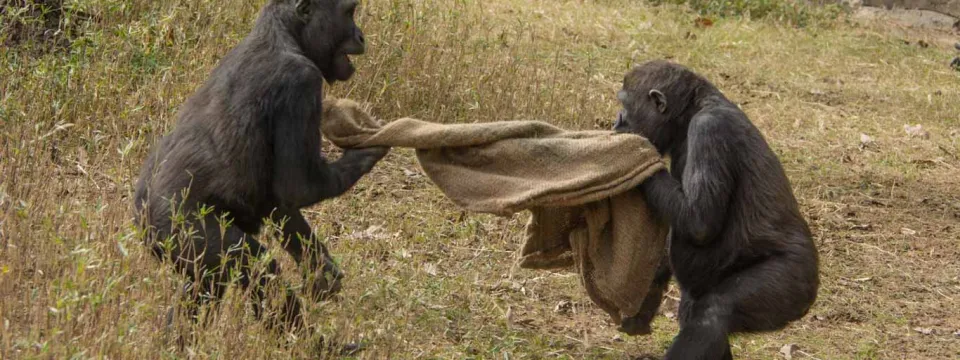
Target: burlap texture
(580, 187)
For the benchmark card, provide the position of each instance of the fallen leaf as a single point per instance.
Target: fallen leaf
(875, 202)
(908, 231)
(925, 163)
(411, 173)
(430, 268)
(703, 22)
(524, 322)
(956, 333)
(862, 227)
(788, 350)
(925, 331)
(563, 307)
(670, 315)
(375, 232)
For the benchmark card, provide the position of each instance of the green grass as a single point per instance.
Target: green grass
(79, 113)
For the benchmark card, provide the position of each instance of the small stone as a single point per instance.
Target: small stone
(865, 140)
(916, 131)
(788, 350)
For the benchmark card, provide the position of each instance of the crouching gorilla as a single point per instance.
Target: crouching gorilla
(247, 147)
(739, 247)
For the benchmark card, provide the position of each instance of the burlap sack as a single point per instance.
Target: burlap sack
(580, 187)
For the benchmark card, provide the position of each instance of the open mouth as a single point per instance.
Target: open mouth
(345, 59)
(341, 68)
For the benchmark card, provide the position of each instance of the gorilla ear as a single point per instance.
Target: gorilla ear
(659, 99)
(303, 8)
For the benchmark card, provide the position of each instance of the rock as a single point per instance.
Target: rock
(788, 350)
(865, 141)
(916, 131)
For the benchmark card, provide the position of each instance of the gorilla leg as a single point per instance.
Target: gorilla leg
(703, 329)
(256, 279)
(763, 297)
(209, 257)
(320, 271)
(771, 294)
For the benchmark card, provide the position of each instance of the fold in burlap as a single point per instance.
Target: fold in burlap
(579, 187)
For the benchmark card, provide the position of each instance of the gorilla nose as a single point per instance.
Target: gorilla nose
(355, 45)
(360, 41)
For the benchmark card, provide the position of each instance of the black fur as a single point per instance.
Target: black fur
(739, 248)
(955, 64)
(247, 146)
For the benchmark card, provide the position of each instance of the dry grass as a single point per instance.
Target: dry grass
(425, 279)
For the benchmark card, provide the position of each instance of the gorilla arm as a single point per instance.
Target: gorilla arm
(301, 176)
(696, 208)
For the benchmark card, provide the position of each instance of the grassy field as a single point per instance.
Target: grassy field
(424, 279)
